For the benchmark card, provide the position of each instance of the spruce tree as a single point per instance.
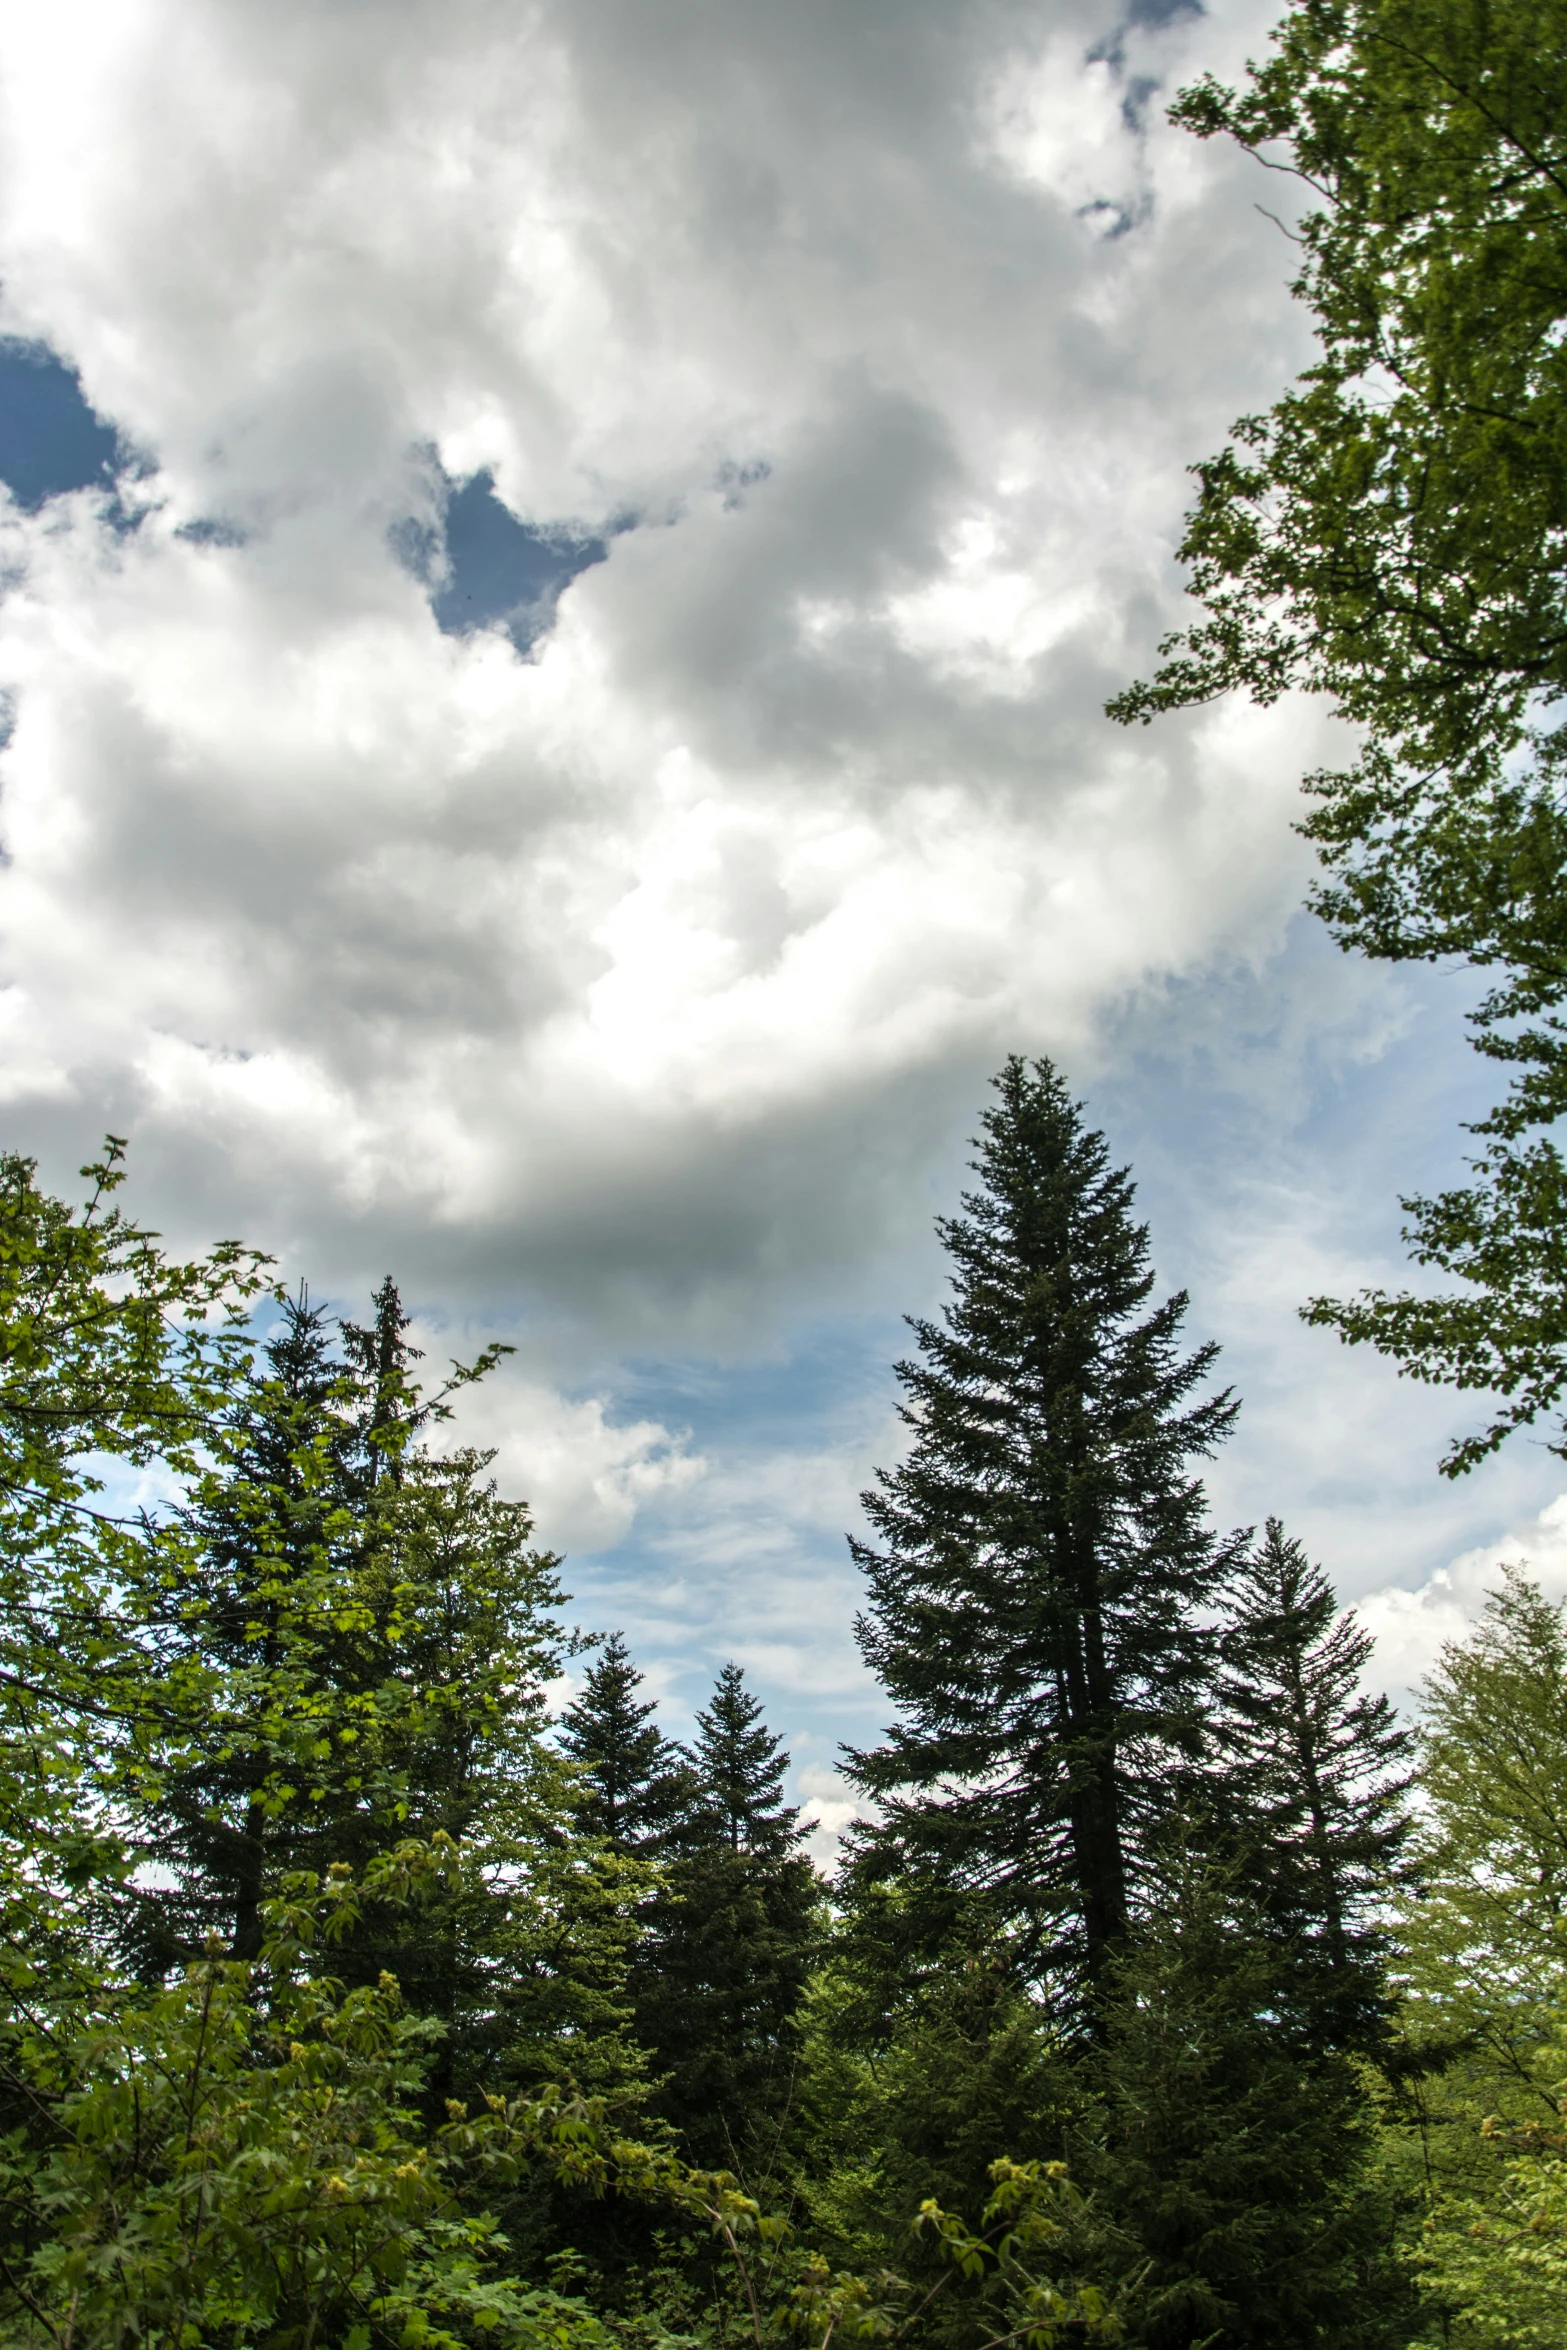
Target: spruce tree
(351, 1649)
(740, 1769)
(380, 1353)
(628, 1768)
(1313, 1780)
(722, 1975)
(266, 1657)
(1042, 1557)
(1233, 2167)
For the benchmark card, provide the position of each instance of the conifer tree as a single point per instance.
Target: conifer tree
(740, 1769)
(265, 1653)
(1313, 1780)
(381, 1355)
(722, 1974)
(351, 1650)
(1042, 1556)
(628, 1767)
(1234, 2147)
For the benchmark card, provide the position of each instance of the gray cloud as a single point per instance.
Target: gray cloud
(637, 989)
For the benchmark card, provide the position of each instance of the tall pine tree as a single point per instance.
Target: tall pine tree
(265, 1653)
(722, 1975)
(629, 1772)
(1042, 1557)
(1314, 1775)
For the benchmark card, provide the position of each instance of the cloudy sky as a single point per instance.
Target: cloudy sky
(561, 567)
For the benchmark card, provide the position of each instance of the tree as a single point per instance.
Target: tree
(108, 1352)
(1312, 1783)
(1477, 2130)
(731, 1936)
(895, 2106)
(1493, 2253)
(628, 1768)
(267, 1654)
(1234, 2145)
(1483, 1944)
(1391, 535)
(353, 1644)
(1042, 1556)
(740, 1769)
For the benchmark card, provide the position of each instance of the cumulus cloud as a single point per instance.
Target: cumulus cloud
(586, 1475)
(804, 802)
(1412, 1627)
(625, 980)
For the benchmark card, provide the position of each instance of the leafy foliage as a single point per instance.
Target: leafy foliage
(1390, 534)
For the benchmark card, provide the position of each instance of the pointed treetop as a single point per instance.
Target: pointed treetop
(741, 1766)
(625, 1760)
(1313, 1757)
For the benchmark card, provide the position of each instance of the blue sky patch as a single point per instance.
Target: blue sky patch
(50, 440)
(497, 569)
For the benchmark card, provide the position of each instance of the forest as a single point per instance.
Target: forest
(1169, 1990)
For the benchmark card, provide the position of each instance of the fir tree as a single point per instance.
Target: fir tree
(389, 1411)
(1042, 1557)
(722, 1975)
(264, 1657)
(1233, 2168)
(1314, 1779)
(628, 1768)
(740, 1769)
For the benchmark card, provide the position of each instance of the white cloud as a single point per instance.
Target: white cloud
(807, 793)
(586, 1473)
(1412, 1627)
(643, 986)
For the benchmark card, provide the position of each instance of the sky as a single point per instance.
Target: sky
(561, 565)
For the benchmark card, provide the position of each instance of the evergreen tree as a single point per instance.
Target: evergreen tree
(1043, 1555)
(628, 1768)
(352, 1649)
(740, 1769)
(1232, 2164)
(266, 1655)
(921, 2108)
(1313, 1780)
(722, 1974)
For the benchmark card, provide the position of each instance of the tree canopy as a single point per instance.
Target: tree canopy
(1391, 535)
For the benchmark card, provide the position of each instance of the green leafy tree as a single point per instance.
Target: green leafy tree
(1492, 2257)
(1474, 2129)
(355, 1642)
(1390, 535)
(1315, 1771)
(267, 1652)
(732, 1933)
(524, 1959)
(1483, 1945)
(109, 1352)
(1043, 1554)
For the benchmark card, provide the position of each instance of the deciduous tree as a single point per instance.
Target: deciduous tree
(1390, 535)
